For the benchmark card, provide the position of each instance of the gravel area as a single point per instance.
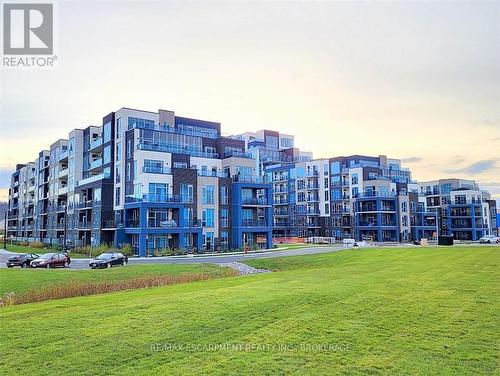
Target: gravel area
(243, 269)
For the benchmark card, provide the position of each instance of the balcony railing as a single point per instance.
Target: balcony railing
(253, 223)
(168, 148)
(94, 178)
(96, 163)
(250, 179)
(84, 204)
(111, 223)
(254, 201)
(85, 225)
(239, 154)
(134, 223)
(95, 143)
(63, 155)
(158, 198)
(63, 172)
(171, 223)
(157, 170)
(63, 190)
(219, 174)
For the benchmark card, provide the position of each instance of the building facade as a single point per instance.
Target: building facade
(152, 180)
(155, 180)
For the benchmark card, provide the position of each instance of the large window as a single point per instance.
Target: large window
(208, 217)
(140, 123)
(224, 195)
(187, 192)
(118, 127)
(208, 240)
(107, 154)
(286, 142)
(107, 132)
(224, 240)
(159, 190)
(207, 194)
(335, 167)
(117, 196)
(224, 218)
(153, 166)
(118, 151)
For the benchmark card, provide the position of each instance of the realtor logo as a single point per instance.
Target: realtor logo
(28, 29)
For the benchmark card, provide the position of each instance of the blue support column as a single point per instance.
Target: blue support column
(379, 222)
(142, 245)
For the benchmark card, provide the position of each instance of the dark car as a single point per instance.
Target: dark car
(23, 260)
(108, 259)
(51, 260)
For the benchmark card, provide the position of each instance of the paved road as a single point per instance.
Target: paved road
(84, 263)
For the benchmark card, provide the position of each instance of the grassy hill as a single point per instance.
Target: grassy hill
(392, 311)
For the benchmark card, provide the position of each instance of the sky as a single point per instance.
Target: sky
(418, 81)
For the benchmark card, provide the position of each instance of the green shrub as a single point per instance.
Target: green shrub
(127, 249)
(36, 245)
(179, 252)
(24, 244)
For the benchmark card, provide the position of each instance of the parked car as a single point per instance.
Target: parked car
(22, 260)
(51, 260)
(108, 259)
(489, 239)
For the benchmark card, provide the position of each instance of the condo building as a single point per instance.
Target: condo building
(156, 180)
(152, 180)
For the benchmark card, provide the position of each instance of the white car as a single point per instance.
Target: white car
(489, 239)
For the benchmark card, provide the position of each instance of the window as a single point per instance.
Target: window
(117, 196)
(224, 240)
(118, 151)
(354, 179)
(404, 206)
(107, 154)
(140, 123)
(118, 127)
(153, 166)
(355, 192)
(208, 218)
(460, 199)
(117, 174)
(187, 192)
(224, 195)
(97, 195)
(207, 194)
(208, 240)
(335, 168)
(325, 185)
(107, 132)
(327, 208)
(326, 195)
(128, 171)
(158, 190)
(180, 165)
(272, 142)
(224, 218)
(129, 148)
(286, 142)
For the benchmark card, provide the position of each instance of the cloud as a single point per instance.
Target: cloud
(411, 160)
(493, 123)
(475, 168)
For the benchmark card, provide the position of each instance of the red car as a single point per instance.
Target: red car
(51, 260)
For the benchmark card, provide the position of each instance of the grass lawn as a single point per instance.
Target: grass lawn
(369, 311)
(21, 280)
(287, 247)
